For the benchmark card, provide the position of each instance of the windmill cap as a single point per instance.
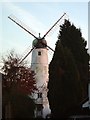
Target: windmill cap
(39, 43)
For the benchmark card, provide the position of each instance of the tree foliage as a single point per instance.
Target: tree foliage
(71, 37)
(17, 76)
(18, 82)
(64, 83)
(68, 72)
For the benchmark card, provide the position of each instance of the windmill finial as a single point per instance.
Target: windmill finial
(39, 34)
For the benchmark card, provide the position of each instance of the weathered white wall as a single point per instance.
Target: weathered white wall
(39, 64)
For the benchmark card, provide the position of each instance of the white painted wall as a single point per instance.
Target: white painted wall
(39, 64)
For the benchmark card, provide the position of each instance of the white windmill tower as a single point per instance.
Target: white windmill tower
(39, 62)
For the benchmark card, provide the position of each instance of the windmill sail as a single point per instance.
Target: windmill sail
(26, 55)
(21, 24)
(54, 25)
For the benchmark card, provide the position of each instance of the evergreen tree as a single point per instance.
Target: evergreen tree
(71, 37)
(64, 84)
(68, 72)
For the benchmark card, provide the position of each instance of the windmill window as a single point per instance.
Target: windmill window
(39, 53)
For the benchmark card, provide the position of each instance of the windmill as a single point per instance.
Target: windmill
(39, 62)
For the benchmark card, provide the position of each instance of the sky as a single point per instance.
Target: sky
(38, 17)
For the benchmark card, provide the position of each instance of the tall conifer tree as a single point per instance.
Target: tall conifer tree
(68, 72)
(71, 37)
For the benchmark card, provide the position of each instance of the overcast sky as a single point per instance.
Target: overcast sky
(39, 17)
